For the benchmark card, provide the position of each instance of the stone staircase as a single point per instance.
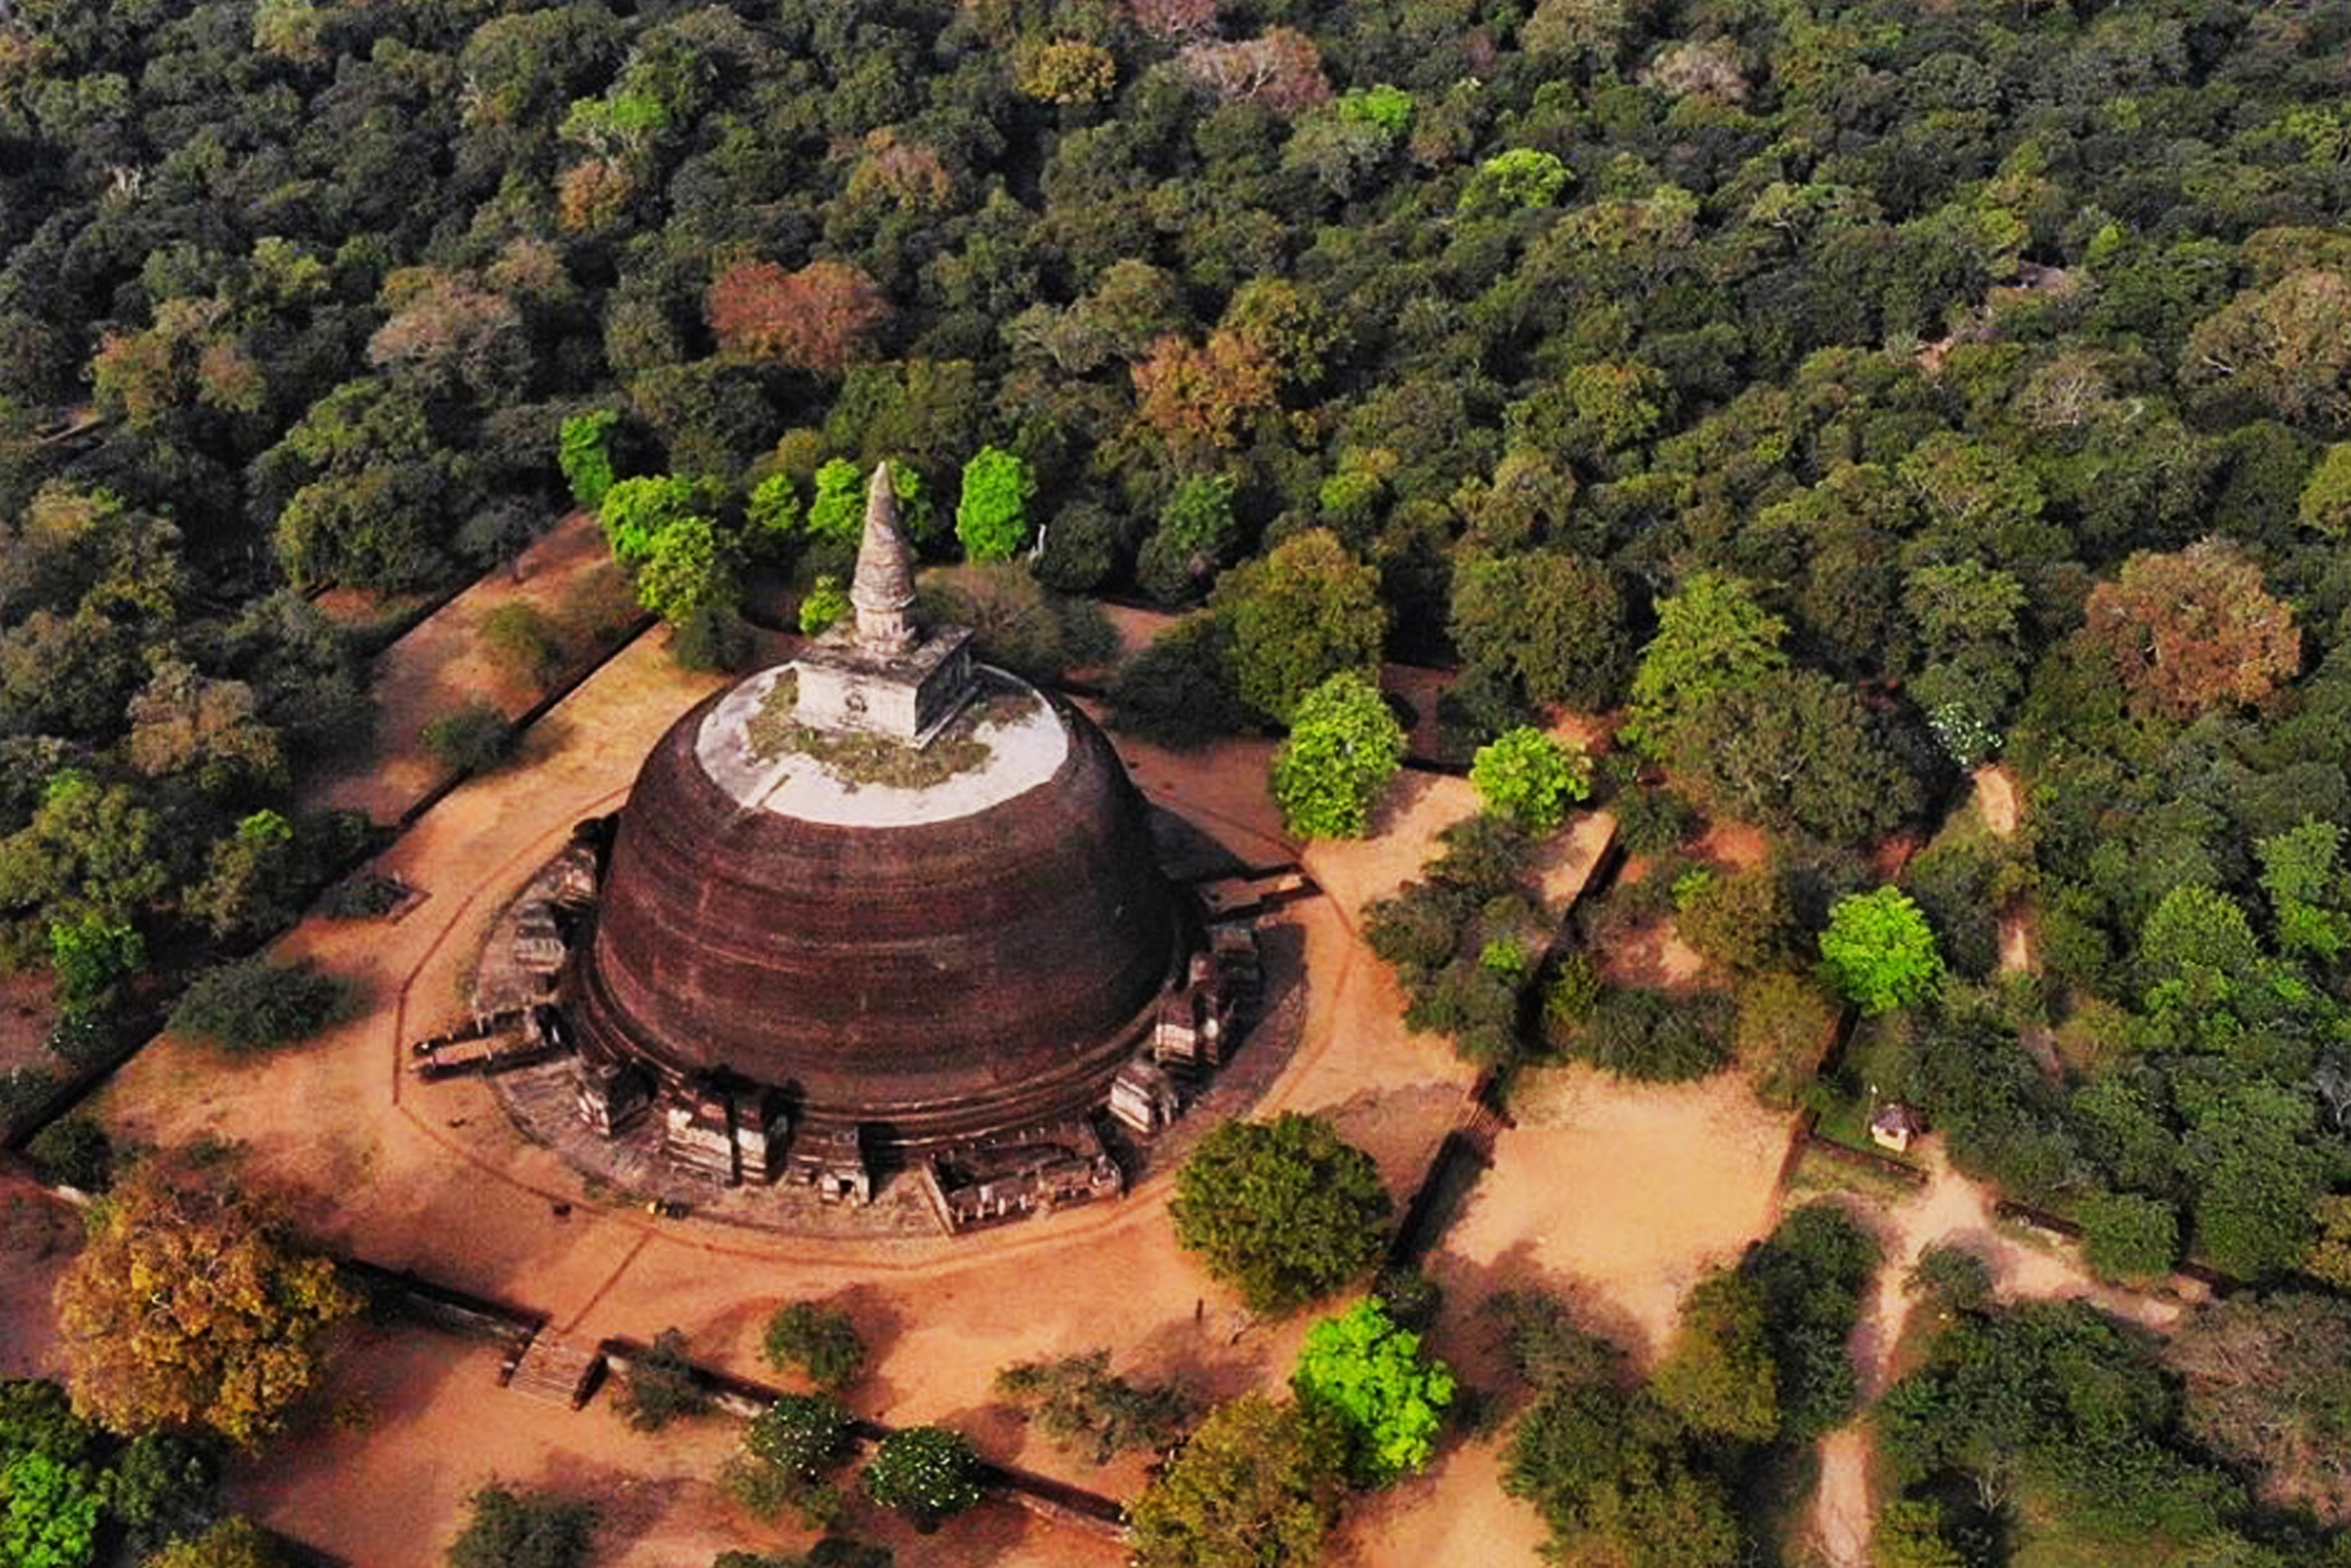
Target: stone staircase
(558, 1370)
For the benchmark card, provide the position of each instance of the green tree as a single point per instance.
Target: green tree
(1879, 951)
(774, 512)
(2127, 1236)
(1343, 747)
(1374, 1376)
(191, 1307)
(1175, 693)
(1792, 751)
(585, 456)
(1304, 612)
(824, 606)
(1711, 637)
(1258, 1486)
(992, 510)
(91, 955)
(926, 1473)
(820, 1341)
(788, 1451)
(2326, 503)
(1520, 177)
(510, 1529)
(1529, 777)
(1909, 1534)
(88, 848)
(1085, 1410)
(635, 513)
(2302, 872)
(1284, 1211)
(1553, 621)
(1065, 72)
(688, 569)
(1195, 532)
(837, 514)
(802, 1434)
(50, 1514)
(253, 882)
(1717, 1373)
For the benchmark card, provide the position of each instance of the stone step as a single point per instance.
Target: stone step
(558, 1370)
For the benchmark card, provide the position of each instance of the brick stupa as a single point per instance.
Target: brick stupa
(902, 963)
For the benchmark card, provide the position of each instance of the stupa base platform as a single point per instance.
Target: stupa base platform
(633, 1170)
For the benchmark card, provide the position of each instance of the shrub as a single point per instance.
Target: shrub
(1781, 1033)
(1742, 920)
(73, 1151)
(523, 1530)
(1087, 1411)
(1015, 622)
(22, 1091)
(234, 1543)
(1641, 1034)
(1948, 1280)
(926, 1473)
(711, 638)
(471, 739)
(524, 641)
(253, 1004)
(83, 1038)
(661, 1385)
(1650, 822)
(819, 1342)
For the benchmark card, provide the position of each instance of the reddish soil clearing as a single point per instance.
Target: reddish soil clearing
(1618, 1194)
(442, 663)
(37, 1239)
(1626, 1191)
(25, 1015)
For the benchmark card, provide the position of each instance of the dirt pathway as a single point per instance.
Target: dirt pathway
(1956, 1211)
(1951, 1211)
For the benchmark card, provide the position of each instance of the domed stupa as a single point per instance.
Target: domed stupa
(881, 901)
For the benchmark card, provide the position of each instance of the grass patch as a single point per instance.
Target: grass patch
(1823, 1173)
(859, 759)
(2051, 1535)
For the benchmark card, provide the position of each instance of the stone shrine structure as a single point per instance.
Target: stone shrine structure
(881, 908)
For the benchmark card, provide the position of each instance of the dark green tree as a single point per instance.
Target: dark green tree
(1284, 1211)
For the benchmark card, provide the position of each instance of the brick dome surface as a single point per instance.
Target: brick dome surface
(932, 979)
